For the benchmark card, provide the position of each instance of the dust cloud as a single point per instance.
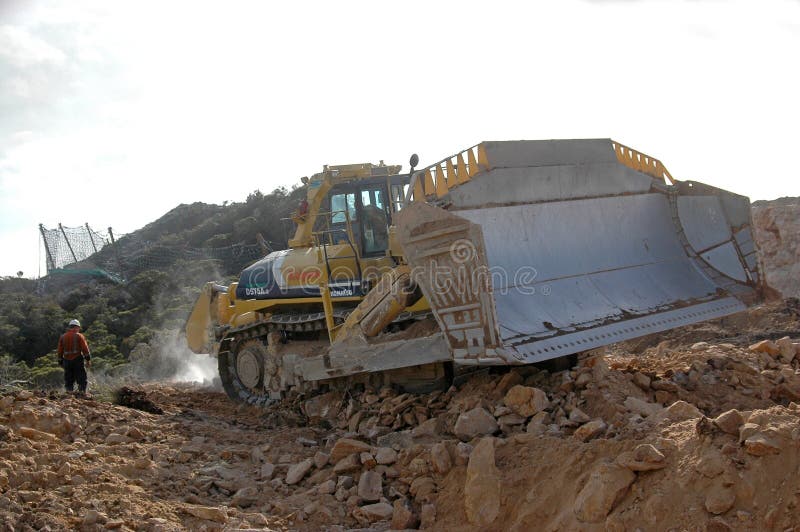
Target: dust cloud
(167, 358)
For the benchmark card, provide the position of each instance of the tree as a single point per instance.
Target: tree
(20, 273)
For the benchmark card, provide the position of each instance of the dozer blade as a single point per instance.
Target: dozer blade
(556, 247)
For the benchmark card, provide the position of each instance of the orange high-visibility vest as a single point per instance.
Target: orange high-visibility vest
(71, 345)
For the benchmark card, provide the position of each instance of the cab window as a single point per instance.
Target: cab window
(398, 196)
(374, 221)
(341, 203)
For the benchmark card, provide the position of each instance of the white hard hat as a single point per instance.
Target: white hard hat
(74, 323)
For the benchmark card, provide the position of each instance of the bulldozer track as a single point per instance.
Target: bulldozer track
(249, 335)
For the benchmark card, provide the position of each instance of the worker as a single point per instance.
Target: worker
(72, 352)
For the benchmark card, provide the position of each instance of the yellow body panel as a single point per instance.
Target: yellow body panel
(317, 257)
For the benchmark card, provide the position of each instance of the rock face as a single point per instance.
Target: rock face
(525, 400)
(777, 231)
(607, 485)
(482, 488)
(476, 422)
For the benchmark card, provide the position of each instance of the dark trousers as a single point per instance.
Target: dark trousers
(74, 371)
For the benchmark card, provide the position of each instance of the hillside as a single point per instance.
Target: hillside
(164, 265)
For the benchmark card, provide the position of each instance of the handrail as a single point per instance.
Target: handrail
(641, 162)
(438, 178)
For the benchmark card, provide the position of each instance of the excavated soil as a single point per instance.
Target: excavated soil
(694, 429)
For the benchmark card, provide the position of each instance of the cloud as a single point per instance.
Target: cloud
(137, 107)
(22, 50)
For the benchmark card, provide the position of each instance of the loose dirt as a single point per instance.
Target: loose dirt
(695, 429)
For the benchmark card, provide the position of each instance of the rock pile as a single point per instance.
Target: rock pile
(698, 435)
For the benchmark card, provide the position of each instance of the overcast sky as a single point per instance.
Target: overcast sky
(112, 113)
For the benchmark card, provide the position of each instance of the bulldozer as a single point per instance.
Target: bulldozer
(506, 253)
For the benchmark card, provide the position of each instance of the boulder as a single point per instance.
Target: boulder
(421, 488)
(787, 350)
(6, 403)
(373, 512)
(679, 411)
(538, 424)
(427, 516)
(386, 456)
(113, 439)
(429, 427)
(510, 379)
(321, 459)
(482, 487)
(589, 430)
(328, 487)
(347, 464)
(475, 422)
(94, 517)
(583, 380)
(403, 518)
(605, 488)
(24, 395)
(643, 408)
(462, 452)
(402, 439)
(760, 445)
(642, 381)
(298, 471)
(370, 486)
(719, 499)
(747, 430)
(711, 463)
(245, 497)
(346, 446)
(526, 400)
(324, 406)
(209, 513)
(367, 460)
(765, 346)
(440, 458)
(578, 416)
(135, 434)
(644, 457)
(267, 470)
(729, 421)
(36, 435)
(509, 420)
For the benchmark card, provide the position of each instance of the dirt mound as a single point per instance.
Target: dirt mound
(137, 399)
(696, 430)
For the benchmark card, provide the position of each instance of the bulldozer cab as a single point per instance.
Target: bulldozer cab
(365, 208)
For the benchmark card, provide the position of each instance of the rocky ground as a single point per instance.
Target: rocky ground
(695, 429)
